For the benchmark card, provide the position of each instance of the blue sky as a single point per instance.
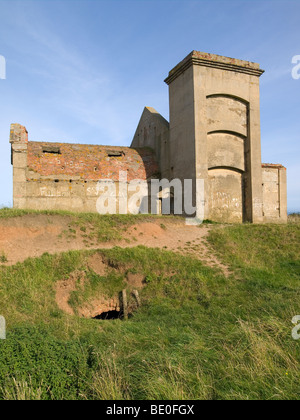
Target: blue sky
(82, 71)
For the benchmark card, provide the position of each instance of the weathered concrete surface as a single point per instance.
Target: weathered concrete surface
(225, 150)
(224, 113)
(226, 195)
(19, 144)
(153, 131)
(215, 134)
(274, 193)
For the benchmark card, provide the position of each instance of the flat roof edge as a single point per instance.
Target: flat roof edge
(214, 61)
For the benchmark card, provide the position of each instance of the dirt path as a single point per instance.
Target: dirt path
(33, 235)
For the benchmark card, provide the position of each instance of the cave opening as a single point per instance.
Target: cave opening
(109, 315)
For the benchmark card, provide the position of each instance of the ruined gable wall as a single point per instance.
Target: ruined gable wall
(153, 132)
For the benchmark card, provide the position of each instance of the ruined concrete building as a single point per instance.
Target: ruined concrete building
(213, 134)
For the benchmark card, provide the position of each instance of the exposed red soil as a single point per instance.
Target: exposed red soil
(99, 304)
(34, 235)
(64, 288)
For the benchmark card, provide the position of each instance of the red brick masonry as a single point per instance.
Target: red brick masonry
(91, 162)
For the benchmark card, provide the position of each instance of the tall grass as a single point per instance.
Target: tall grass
(109, 382)
(21, 391)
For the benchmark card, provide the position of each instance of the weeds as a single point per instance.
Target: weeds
(3, 258)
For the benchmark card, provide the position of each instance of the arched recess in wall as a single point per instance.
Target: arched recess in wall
(226, 149)
(227, 113)
(227, 145)
(226, 194)
(227, 95)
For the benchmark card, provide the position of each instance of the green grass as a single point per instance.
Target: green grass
(7, 212)
(3, 258)
(198, 335)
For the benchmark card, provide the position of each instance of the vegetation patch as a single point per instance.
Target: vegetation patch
(3, 258)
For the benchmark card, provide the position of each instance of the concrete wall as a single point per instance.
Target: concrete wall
(227, 137)
(226, 113)
(153, 132)
(224, 149)
(226, 195)
(182, 126)
(19, 147)
(274, 193)
(215, 124)
(83, 196)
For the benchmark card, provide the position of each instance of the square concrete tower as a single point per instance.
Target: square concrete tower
(215, 133)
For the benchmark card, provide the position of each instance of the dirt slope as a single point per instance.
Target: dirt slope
(33, 235)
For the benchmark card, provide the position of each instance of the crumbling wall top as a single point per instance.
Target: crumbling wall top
(18, 134)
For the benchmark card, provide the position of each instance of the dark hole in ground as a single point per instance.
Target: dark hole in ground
(110, 315)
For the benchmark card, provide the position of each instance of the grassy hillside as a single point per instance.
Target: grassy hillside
(197, 335)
